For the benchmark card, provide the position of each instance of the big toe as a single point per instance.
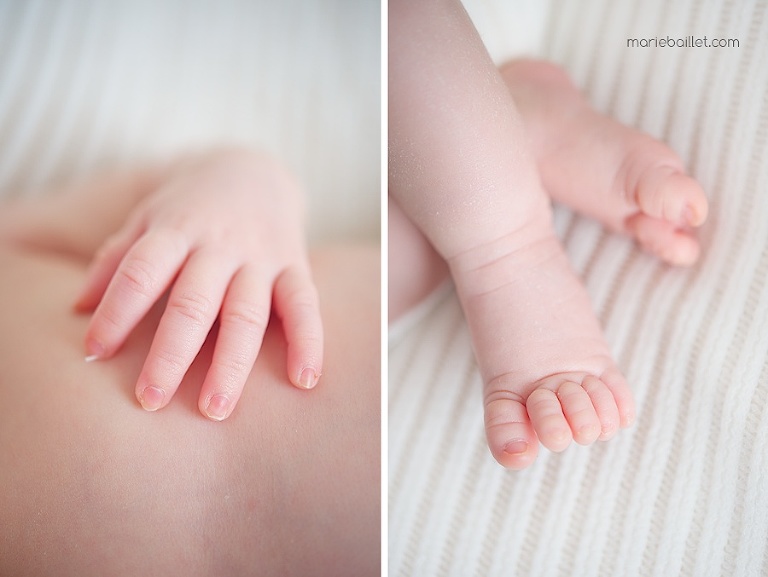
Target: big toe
(509, 432)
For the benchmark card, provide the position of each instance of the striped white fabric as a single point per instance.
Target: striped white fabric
(685, 492)
(86, 84)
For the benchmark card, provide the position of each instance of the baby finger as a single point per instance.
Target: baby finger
(244, 318)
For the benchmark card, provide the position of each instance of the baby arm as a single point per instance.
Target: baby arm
(76, 219)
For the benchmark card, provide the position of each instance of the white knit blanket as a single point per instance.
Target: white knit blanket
(685, 491)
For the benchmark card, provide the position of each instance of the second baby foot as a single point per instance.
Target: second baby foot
(548, 373)
(627, 180)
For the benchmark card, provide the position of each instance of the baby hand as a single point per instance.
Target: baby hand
(225, 235)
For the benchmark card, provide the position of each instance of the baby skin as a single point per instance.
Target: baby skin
(223, 234)
(217, 237)
(471, 174)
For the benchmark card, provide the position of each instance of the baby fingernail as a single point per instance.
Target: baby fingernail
(517, 447)
(151, 398)
(217, 407)
(94, 349)
(308, 378)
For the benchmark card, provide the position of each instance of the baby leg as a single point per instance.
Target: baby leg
(627, 180)
(461, 170)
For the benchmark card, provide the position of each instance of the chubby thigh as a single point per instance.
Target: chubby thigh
(92, 483)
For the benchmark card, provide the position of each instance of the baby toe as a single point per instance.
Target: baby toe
(508, 429)
(667, 193)
(688, 203)
(548, 420)
(604, 404)
(579, 411)
(663, 240)
(622, 396)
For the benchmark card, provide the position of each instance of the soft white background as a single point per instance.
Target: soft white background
(86, 84)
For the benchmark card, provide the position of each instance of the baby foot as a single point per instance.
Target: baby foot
(565, 385)
(549, 374)
(627, 180)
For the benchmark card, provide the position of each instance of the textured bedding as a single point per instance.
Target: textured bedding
(685, 491)
(88, 85)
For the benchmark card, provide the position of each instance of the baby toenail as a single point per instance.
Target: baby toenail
(516, 447)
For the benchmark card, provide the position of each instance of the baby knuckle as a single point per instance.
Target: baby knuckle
(245, 314)
(585, 415)
(171, 238)
(111, 319)
(307, 298)
(496, 396)
(539, 399)
(304, 301)
(309, 339)
(138, 274)
(172, 363)
(307, 336)
(193, 305)
(501, 410)
(237, 364)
